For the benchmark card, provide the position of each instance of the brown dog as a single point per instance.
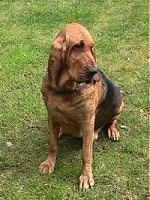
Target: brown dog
(80, 99)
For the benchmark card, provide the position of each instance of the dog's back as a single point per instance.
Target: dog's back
(110, 104)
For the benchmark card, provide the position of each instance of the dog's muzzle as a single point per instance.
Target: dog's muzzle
(90, 73)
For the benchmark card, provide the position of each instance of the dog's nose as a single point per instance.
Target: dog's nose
(91, 71)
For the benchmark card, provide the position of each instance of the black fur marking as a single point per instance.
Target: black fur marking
(110, 103)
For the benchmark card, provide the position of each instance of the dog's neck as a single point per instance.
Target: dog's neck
(76, 87)
(67, 85)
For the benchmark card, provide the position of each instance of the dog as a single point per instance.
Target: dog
(80, 99)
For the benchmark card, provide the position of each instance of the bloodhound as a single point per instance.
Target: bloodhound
(79, 97)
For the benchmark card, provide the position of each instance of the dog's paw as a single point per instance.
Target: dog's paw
(113, 133)
(86, 182)
(46, 167)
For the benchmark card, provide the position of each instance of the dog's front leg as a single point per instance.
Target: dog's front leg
(49, 164)
(86, 178)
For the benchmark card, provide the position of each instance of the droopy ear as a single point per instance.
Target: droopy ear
(55, 62)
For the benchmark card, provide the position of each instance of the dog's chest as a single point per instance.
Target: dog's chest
(68, 113)
(65, 108)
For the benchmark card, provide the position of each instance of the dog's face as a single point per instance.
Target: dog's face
(81, 61)
(72, 60)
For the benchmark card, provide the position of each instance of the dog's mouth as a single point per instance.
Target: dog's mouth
(95, 78)
(88, 76)
(90, 80)
(85, 80)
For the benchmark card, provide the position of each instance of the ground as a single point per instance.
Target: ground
(120, 32)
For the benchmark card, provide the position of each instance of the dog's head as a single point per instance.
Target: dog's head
(72, 58)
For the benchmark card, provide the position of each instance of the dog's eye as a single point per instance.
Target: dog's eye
(79, 45)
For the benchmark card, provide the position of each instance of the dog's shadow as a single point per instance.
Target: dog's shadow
(69, 147)
(71, 144)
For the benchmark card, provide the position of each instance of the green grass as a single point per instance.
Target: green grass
(120, 31)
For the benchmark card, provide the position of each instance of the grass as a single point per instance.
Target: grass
(120, 31)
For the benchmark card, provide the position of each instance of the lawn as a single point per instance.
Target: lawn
(120, 32)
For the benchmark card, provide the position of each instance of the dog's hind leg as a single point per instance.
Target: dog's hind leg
(113, 133)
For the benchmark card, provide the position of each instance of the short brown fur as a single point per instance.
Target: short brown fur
(73, 100)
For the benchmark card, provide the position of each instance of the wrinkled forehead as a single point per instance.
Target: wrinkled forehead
(74, 39)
